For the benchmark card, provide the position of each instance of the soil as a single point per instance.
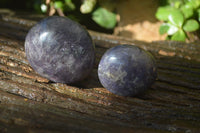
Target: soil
(137, 20)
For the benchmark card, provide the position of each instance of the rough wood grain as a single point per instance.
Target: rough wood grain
(30, 103)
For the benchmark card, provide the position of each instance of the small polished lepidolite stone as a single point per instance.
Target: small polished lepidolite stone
(60, 49)
(127, 70)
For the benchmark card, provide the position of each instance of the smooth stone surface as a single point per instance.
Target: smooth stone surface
(60, 49)
(127, 70)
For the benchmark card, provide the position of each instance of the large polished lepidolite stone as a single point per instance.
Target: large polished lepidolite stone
(60, 50)
(127, 70)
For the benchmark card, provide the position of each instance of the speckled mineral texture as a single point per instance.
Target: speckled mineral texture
(60, 50)
(127, 70)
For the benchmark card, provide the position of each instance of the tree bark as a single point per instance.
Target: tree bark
(31, 103)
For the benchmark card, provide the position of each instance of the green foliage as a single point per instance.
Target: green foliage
(164, 28)
(104, 18)
(191, 25)
(69, 5)
(99, 15)
(58, 5)
(87, 6)
(179, 17)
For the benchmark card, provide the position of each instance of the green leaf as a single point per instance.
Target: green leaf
(58, 4)
(194, 3)
(69, 5)
(191, 25)
(198, 13)
(37, 6)
(179, 36)
(187, 11)
(104, 18)
(176, 18)
(177, 4)
(168, 28)
(163, 28)
(163, 12)
(87, 6)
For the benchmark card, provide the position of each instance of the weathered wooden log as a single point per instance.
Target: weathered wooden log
(31, 103)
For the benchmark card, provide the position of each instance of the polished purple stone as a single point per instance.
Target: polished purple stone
(60, 50)
(127, 70)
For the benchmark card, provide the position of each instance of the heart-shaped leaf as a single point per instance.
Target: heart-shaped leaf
(179, 36)
(176, 18)
(191, 25)
(163, 12)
